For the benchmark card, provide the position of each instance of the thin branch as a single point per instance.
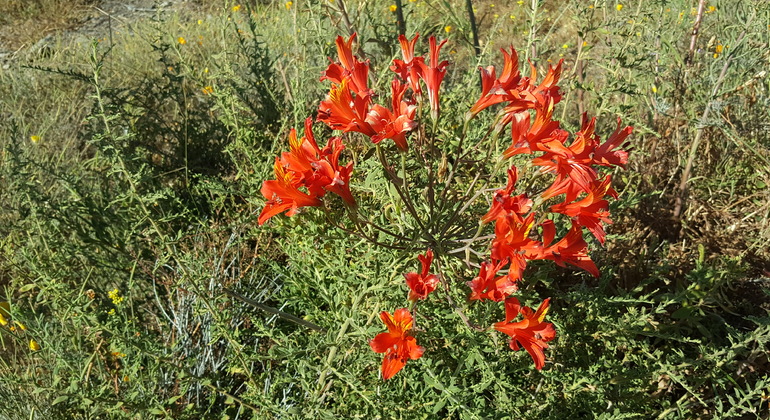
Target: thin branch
(270, 309)
(695, 32)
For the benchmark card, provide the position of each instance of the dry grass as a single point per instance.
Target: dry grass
(24, 22)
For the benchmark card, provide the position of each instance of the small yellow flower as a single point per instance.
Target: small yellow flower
(412, 1)
(125, 378)
(33, 345)
(719, 48)
(236, 8)
(492, 5)
(208, 90)
(181, 41)
(393, 7)
(711, 9)
(585, 44)
(21, 326)
(111, 312)
(206, 70)
(200, 22)
(496, 16)
(288, 5)
(654, 89)
(118, 354)
(513, 17)
(448, 28)
(565, 46)
(3, 321)
(618, 7)
(34, 139)
(520, 2)
(115, 296)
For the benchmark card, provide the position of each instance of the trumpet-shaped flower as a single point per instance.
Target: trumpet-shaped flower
(422, 284)
(397, 344)
(591, 211)
(408, 68)
(395, 124)
(343, 111)
(433, 74)
(572, 249)
(532, 332)
(504, 203)
(349, 67)
(488, 285)
(282, 194)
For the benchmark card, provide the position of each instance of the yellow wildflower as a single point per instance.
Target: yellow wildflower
(236, 8)
(565, 46)
(181, 41)
(393, 7)
(618, 7)
(200, 22)
(115, 296)
(711, 9)
(654, 89)
(208, 90)
(33, 345)
(719, 48)
(3, 321)
(288, 5)
(118, 354)
(34, 139)
(585, 44)
(21, 326)
(448, 28)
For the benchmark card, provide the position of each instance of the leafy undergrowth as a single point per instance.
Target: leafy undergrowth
(130, 188)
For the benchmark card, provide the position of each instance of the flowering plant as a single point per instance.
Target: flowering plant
(445, 180)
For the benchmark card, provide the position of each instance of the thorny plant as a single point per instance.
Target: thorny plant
(439, 184)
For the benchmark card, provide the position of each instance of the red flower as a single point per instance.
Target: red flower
(282, 194)
(512, 240)
(420, 285)
(531, 332)
(504, 204)
(343, 111)
(397, 344)
(493, 90)
(433, 74)
(572, 249)
(591, 211)
(606, 156)
(488, 285)
(394, 124)
(408, 68)
(349, 67)
(542, 136)
(306, 165)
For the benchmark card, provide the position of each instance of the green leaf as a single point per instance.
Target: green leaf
(59, 399)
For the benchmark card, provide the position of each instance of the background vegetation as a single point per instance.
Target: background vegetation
(130, 169)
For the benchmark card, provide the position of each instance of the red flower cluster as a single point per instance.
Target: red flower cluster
(310, 167)
(397, 344)
(574, 166)
(349, 108)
